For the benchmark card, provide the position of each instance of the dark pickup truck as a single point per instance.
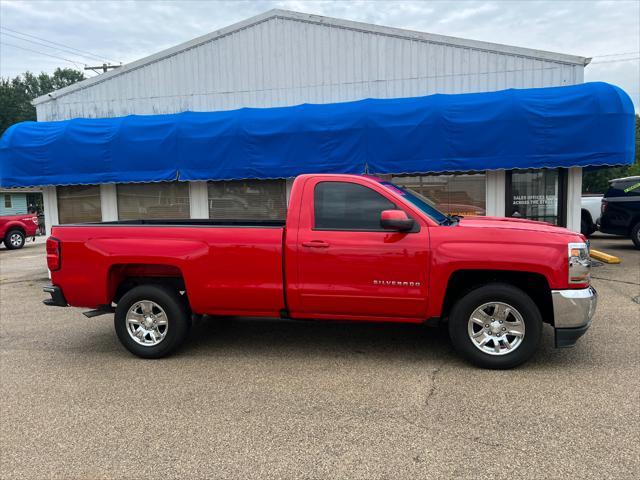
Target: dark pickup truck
(621, 209)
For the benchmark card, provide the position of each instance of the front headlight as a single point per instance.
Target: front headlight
(579, 263)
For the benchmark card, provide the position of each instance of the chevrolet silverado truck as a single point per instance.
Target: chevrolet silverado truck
(352, 248)
(14, 230)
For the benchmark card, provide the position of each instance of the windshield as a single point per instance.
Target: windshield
(423, 203)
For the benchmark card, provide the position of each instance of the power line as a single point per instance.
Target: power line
(617, 54)
(104, 67)
(45, 45)
(615, 61)
(41, 53)
(55, 43)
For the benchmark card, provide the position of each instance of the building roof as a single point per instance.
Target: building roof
(317, 20)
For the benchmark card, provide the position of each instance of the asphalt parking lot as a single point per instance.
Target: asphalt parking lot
(251, 398)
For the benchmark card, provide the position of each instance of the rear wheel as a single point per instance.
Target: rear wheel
(151, 321)
(586, 225)
(14, 239)
(635, 235)
(495, 326)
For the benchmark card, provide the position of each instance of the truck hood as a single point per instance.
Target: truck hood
(512, 224)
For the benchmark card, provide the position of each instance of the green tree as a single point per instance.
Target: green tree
(17, 93)
(597, 181)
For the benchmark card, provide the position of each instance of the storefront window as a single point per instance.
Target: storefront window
(535, 195)
(461, 194)
(162, 200)
(248, 200)
(78, 204)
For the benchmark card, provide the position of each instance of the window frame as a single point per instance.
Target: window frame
(280, 183)
(444, 207)
(121, 188)
(7, 196)
(562, 194)
(61, 198)
(415, 229)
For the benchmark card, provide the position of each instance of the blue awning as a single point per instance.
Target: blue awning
(582, 125)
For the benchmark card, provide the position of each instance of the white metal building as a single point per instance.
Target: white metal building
(284, 58)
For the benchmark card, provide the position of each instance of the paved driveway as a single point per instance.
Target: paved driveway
(274, 399)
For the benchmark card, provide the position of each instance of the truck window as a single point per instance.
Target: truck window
(630, 188)
(348, 206)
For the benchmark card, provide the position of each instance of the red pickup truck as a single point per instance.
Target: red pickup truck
(352, 248)
(14, 229)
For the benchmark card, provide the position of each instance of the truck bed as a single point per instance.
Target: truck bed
(188, 222)
(228, 267)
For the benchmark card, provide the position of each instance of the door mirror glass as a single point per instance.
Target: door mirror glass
(396, 220)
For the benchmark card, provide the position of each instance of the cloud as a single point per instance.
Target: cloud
(471, 12)
(123, 31)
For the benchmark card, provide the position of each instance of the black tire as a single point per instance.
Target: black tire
(495, 292)
(177, 313)
(635, 235)
(14, 239)
(586, 227)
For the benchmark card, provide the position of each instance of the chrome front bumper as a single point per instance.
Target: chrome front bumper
(572, 313)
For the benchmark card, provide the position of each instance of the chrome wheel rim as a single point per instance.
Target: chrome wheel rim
(15, 240)
(147, 323)
(496, 328)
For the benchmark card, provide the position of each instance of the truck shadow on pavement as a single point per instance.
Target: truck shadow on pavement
(211, 335)
(259, 339)
(262, 338)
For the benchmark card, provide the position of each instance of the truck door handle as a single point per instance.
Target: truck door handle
(315, 244)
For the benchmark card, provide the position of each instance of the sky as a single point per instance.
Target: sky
(93, 32)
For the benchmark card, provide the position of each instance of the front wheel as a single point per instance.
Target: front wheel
(151, 321)
(495, 326)
(635, 235)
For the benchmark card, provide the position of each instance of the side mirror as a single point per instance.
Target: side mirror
(396, 220)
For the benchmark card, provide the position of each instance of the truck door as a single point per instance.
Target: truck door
(347, 265)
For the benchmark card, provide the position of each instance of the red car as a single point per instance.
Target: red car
(15, 229)
(352, 248)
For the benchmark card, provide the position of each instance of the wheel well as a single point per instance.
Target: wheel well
(586, 215)
(534, 284)
(20, 228)
(633, 222)
(123, 278)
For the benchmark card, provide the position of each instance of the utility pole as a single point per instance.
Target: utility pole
(104, 67)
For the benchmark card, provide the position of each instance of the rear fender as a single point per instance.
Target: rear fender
(115, 259)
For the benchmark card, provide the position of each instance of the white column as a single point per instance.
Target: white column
(574, 198)
(109, 202)
(496, 191)
(198, 200)
(50, 200)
